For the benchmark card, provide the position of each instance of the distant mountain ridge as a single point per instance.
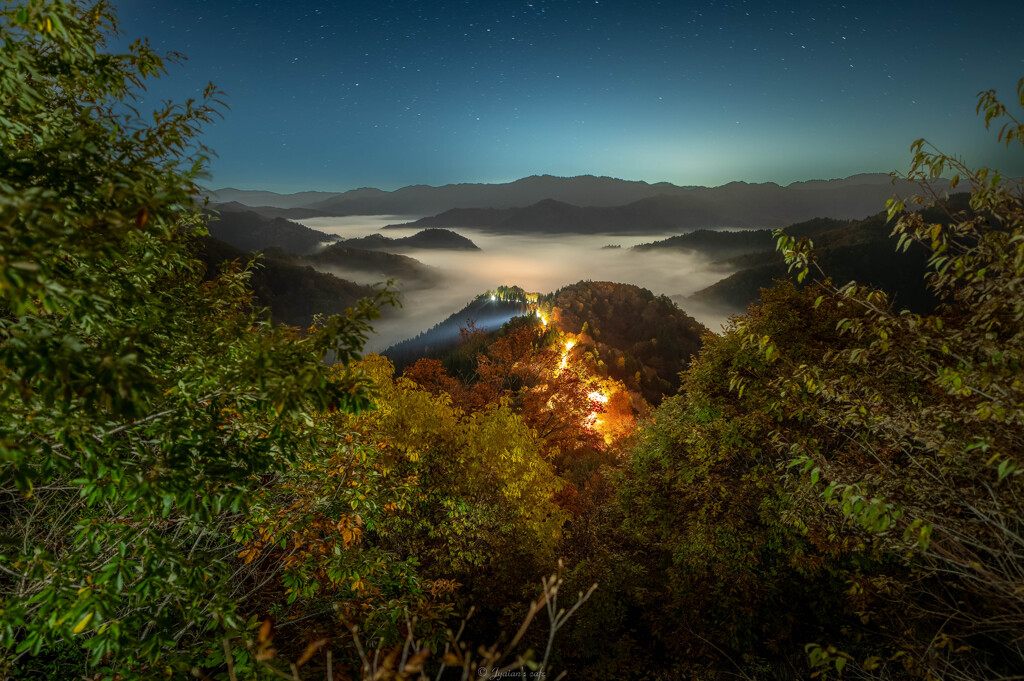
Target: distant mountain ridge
(583, 190)
(735, 205)
(251, 231)
(607, 205)
(424, 199)
(256, 197)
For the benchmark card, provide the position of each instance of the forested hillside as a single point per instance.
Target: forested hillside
(641, 339)
(427, 238)
(291, 290)
(854, 250)
(487, 312)
(251, 231)
(190, 491)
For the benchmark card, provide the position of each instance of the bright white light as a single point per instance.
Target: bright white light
(565, 355)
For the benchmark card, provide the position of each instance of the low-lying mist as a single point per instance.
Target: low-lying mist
(536, 263)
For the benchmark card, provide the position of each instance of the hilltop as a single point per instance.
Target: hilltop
(641, 339)
(443, 239)
(485, 313)
(637, 337)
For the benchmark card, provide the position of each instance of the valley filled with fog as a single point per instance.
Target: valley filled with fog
(536, 263)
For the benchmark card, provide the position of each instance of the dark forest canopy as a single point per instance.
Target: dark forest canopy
(644, 340)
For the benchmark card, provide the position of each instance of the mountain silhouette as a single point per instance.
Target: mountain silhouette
(427, 239)
(735, 204)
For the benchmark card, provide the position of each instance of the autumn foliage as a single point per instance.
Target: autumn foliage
(829, 488)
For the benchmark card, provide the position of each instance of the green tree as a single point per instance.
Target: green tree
(917, 444)
(483, 490)
(725, 580)
(137, 402)
(838, 483)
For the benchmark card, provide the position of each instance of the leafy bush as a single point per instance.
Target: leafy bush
(138, 402)
(917, 444)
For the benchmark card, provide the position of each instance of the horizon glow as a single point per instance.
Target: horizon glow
(335, 96)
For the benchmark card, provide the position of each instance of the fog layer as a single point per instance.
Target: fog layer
(541, 264)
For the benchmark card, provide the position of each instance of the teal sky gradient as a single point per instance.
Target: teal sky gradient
(337, 95)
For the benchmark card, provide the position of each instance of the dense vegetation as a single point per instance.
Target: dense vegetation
(251, 231)
(187, 490)
(854, 250)
(142, 406)
(294, 293)
(345, 259)
(641, 339)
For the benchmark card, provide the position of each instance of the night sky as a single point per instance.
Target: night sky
(338, 95)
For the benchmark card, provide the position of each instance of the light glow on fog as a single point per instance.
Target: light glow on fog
(533, 262)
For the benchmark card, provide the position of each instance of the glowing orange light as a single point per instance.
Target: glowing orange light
(565, 355)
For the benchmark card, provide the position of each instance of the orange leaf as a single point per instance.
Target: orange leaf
(311, 650)
(416, 662)
(265, 635)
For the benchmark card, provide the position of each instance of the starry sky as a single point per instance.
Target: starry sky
(337, 95)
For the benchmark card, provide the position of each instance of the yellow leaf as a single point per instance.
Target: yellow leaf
(82, 623)
(416, 662)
